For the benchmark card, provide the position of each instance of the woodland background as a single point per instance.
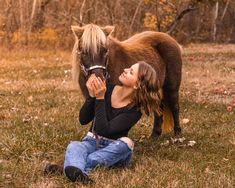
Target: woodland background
(46, 23)
(39, 104)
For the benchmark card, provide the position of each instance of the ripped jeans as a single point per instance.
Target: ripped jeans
(85, 155)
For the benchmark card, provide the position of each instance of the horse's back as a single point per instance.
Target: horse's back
(150, 37)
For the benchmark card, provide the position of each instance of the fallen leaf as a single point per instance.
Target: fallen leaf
(233, 105)
(229, 108)
(191, 143)
(30, 98)
(207, 170)
(166, 143)
(181, 139)
(27, 119)
(185, 121)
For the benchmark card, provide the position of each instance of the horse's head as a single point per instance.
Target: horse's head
(90, 49)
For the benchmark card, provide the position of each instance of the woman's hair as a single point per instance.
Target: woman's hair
(148, 94)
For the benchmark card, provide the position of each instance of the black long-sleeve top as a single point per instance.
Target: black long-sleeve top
(108, 122)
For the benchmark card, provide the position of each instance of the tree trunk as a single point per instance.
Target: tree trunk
(23, 25)
(32, 14)
(216, 10)
(38, 18)
(225, 10)
(232, 35)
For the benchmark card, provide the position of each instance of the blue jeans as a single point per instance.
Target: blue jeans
(86, 156)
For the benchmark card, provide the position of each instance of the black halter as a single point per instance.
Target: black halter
(87, 70)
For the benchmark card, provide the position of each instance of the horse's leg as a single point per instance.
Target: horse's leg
(173, 102)
(157, 126)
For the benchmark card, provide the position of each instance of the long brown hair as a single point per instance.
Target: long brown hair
(148, 94)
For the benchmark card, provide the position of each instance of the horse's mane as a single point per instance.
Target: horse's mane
(92, 39)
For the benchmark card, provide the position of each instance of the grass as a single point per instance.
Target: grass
(38, 117)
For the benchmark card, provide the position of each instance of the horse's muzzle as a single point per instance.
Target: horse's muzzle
(101, 73)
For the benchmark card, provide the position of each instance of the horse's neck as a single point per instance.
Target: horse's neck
(119, 59)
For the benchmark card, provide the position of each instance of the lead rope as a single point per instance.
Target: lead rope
(96, 135)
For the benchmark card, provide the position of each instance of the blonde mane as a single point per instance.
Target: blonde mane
(92, 39)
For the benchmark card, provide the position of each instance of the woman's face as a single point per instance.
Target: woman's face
(129, 76)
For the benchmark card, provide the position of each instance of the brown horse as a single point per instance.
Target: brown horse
(96, 51)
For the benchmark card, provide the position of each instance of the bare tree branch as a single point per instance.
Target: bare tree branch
(133, 19)
(179, 17)
(33, 9)
(225, 10)
(81, 11)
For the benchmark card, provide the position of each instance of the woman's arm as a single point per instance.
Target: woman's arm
(86, 113)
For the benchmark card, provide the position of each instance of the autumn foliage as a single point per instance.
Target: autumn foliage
(46, 23)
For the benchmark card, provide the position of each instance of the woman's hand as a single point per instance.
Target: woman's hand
(99, 88)
(89, 85)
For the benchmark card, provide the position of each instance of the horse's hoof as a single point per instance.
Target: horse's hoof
(155, 135)
(178, 132)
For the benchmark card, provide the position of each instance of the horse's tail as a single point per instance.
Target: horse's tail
(168, 120)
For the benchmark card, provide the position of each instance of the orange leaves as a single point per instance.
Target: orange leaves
(147, 1)
(163, 15)
(16, 37)
(150, 21)
(48, 36)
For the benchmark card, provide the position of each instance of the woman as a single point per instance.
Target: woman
(113, 110)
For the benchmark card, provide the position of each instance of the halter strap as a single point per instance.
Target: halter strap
(96, 67)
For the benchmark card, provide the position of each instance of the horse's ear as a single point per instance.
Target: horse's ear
(108, 30)
(77, 30)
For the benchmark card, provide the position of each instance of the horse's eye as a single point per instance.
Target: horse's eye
(105, 52)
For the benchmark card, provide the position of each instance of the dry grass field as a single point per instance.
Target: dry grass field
(38, 118)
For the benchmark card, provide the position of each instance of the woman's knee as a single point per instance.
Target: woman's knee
(128, 141)
(73, 145)
(94, 160)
